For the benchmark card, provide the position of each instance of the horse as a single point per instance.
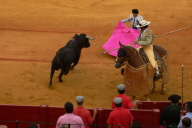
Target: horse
(139, 73)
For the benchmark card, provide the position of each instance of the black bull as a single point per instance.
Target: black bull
(68, 56)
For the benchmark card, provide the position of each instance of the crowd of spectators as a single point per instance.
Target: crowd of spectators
(172, 116)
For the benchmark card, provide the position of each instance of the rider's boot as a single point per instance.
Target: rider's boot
(157, 74)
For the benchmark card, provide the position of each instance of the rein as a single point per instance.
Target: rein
(135, 55)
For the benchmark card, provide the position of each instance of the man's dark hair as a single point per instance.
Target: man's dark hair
(135, 11)
(186, 122)
(145, 26)
(118, 105)
(80, 103)
(68, 107)
(121, 92)
(189, 105)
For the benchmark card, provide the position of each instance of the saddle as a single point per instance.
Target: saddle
(141, 51)
(157, 58)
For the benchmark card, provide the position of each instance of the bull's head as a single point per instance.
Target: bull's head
(85, 40)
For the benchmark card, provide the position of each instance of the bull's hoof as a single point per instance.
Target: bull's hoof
(71, 68)
(60, 80)
(122, 71)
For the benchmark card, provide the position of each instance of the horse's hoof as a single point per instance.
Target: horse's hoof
(60, 80)
(122, 71)
(50, 84)
(163, 91)
(148, 99)
(152, 91)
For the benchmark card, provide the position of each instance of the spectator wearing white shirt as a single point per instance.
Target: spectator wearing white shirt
(134, 18)
(188, 109)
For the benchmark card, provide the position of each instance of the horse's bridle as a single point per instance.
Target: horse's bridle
(126, 56)
(135, 55)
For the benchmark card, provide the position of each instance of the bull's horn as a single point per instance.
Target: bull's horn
(90, 37)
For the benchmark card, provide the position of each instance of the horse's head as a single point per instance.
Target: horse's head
(121, 56)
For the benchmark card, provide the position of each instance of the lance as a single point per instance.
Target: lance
(182, 71)
(154, 37)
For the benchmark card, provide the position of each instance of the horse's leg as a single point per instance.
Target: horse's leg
(153, 87)
(163, 88)
(135, 102)
(146, 97)
(134, 98)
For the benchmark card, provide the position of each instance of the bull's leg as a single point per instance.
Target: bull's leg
(60, 75)
(51, 76)
(75, 62)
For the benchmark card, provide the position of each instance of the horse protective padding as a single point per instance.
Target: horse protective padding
(164, 67)
(138, 80)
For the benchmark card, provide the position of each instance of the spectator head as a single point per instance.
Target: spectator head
(135, 124)
(121, 88)
(68, 107)
(188, 106)
(3, 126)
(174, 98)
(34, 125)
(79, 100)
(186, 122)
(118, 102)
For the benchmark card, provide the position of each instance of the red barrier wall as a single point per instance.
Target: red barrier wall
(154, 104)
(47, 116)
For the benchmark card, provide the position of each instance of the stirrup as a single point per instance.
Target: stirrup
(157, 77)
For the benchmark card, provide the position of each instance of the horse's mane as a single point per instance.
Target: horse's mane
(122, 51)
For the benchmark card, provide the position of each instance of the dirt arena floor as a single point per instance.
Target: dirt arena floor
(31, 31)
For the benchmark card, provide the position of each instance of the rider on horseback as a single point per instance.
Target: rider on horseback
(145, 40)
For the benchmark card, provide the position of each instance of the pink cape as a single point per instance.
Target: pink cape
(121, 34)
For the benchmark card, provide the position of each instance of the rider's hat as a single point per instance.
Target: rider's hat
(143, 23)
